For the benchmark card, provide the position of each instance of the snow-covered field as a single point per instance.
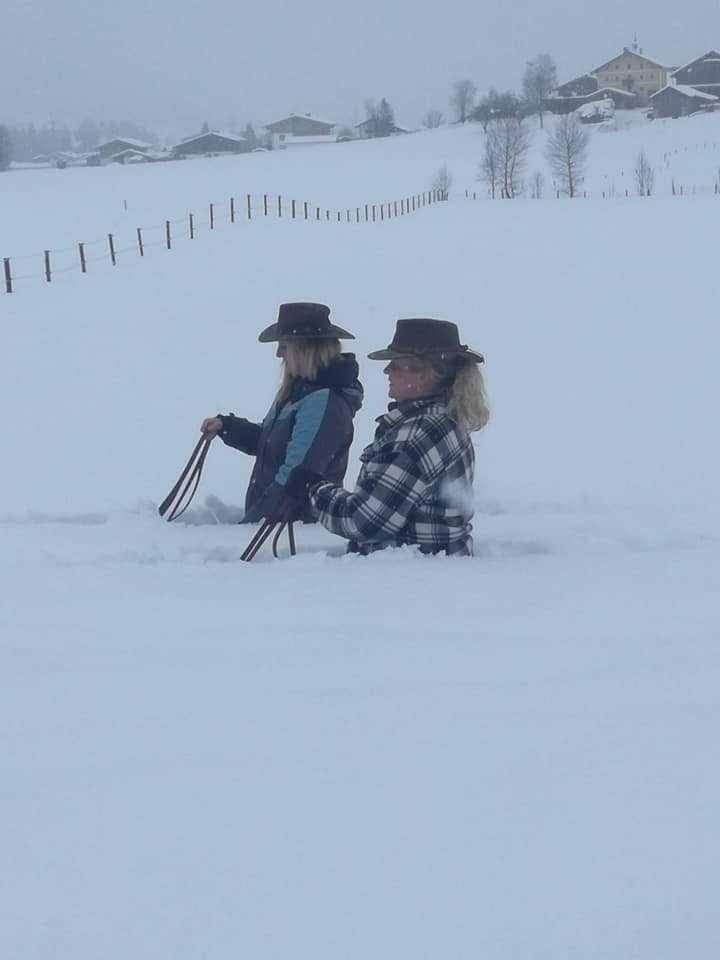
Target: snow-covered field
(393, 757)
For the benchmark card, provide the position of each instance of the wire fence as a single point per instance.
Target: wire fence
(82, 258)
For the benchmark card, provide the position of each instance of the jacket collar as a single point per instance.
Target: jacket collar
(399, 409)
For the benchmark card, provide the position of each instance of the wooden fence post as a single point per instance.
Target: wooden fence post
(339, 216)
(305, 206)
(8, 276)
(357, 214)
(249, 207)
(317, 213)
(232, 209)
(279, 206)
(366, 213)
(81, 251)
(395, 206)
(265, 205)
(141, 248)
(167, 234)
(48, 274)
(382, 208)
(212, 216)
(373, 212)
(293, 209)
(111, 244)
(192, 226)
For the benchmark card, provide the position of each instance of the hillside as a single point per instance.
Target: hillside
(393, 756)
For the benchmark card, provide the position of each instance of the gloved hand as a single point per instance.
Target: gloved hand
(290, 502)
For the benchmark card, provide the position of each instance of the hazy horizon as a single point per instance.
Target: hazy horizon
(171, 70)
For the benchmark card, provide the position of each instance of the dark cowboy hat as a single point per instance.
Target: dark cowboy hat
(435, 339)
(303, 321)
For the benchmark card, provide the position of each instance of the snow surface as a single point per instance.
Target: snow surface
(393, 756)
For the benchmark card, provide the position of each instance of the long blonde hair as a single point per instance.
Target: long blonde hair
(467, 399)
(304, 359)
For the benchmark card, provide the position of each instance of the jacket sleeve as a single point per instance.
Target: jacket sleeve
(322, 428)
(387, 492)
(240, 434)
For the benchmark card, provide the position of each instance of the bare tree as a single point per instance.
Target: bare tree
(511, 143)
(490, 164)
(5, 148)
(644, 175)
(566, 151)
(537, 186)
(539, 81)
(462, 98)
(442, 181)
(433, 119)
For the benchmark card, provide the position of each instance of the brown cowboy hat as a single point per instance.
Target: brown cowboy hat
(303, 321)
(436, 339)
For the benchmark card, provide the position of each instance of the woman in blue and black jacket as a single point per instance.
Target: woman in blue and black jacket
(310, 423)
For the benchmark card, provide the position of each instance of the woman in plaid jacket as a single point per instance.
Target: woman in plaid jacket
(415, 485)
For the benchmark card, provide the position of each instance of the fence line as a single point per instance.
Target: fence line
(274, 207)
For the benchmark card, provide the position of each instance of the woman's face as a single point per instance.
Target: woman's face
(410, 378)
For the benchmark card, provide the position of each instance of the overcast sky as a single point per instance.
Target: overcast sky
(172, 63)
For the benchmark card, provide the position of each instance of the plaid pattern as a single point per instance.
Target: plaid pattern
(415, 485)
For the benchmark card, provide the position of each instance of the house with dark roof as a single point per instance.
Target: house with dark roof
(703, 73)
(679, 100)
(110, 148)
(211, 142)
(299, 130)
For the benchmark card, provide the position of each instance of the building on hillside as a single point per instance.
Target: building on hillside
(579, 87)
(367, 129)
(136, 156)
(633, 72)
(297, 128)
(111, 148)
(212, 142)
(678, 100)
(620, 98)
(703, 73)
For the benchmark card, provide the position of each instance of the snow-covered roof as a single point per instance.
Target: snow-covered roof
(214, 133)
(712, 56)
(686, 91)
(302, 116)
(139, 144)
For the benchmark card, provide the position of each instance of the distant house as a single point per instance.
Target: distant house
(579, 87)
(620, 98)
(211, 142)
(298, 129)
(629, 79)
(633, 72)
(110, 148)
(703, 73)
(678, 100)
(369, 129)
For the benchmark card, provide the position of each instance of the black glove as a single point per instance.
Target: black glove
(291, 501)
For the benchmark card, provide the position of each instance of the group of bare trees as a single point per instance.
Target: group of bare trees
(506, 148)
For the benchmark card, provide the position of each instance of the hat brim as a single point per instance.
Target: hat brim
(389, 354)
(272, 333)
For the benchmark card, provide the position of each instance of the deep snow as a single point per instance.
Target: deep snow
(391, 756)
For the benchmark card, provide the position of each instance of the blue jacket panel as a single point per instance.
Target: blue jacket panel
(313, 426)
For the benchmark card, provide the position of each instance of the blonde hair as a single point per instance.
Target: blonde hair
(467, 399)
(304, 359)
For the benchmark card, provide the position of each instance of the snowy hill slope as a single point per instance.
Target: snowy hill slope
(44, 209)
(391, 756)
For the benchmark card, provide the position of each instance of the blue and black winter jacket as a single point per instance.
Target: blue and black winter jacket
(313, 426)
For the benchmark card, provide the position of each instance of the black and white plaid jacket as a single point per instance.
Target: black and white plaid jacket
(415, 485)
